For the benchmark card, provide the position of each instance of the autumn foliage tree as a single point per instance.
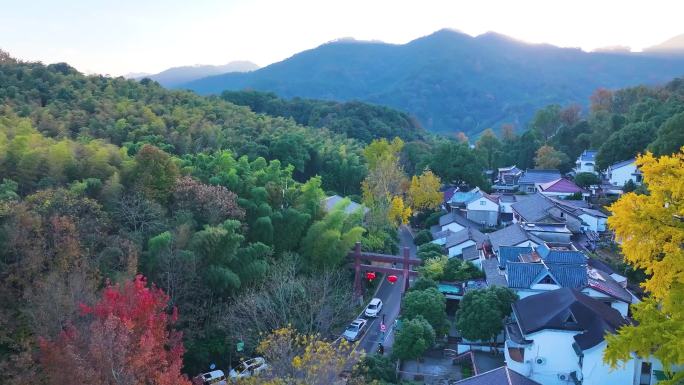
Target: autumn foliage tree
(211, 204)
(303, 359)
(399, 213)
(125, 338)
(651, 234)
(549, 158)
(424, 191)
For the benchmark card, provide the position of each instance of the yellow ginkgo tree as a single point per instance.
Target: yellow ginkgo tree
(650, 229)
(399, 213)
(424, 191)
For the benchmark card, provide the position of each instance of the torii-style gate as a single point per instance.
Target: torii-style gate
(406, 261)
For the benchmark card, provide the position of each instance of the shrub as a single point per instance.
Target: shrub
(423, 236)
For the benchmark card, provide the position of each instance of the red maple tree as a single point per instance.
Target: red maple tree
(125, 338)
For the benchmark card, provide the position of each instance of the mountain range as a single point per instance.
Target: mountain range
(175, 76)
(674, 45)
(451, 81)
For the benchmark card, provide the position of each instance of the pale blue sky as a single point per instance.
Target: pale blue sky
(117, 37)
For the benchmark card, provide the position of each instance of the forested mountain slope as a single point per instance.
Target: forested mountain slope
(357, 120)
(63, 103)
(450, 81)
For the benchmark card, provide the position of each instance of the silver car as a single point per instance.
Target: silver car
(249, 368)
(355, 330)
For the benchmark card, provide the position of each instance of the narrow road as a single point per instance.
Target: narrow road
(391, 297)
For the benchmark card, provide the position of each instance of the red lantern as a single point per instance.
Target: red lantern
(370, 276)
(392, 279)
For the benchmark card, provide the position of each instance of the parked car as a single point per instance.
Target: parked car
(215, 377)
(249, 368)
(355, 330)
(373, 308)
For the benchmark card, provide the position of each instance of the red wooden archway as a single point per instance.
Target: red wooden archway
(357, 256)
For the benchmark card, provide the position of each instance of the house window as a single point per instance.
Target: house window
(547, 279)
(645, 378)
(482, 203)
(517, 354)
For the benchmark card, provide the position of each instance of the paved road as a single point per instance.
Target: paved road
(391, 298)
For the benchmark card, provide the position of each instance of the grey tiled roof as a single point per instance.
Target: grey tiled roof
(539, 176)
(331, 201)
(550, 255)
(572, 276)
(498, 376)
(621, 164)
(511, 254)
(521, 275)
(533, 209)
(492, 273)
(466, 234)
(568, 309)
(511, 236)
(604, 283)
(458, 218)
(470, 253)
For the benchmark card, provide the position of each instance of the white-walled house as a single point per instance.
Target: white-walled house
(451, 221)
(594, 219)
(586, 162)
(483, 209)
(456, 243)
(557, 338)
(619, 173)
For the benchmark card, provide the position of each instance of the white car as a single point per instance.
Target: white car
(215, 377)
(373, 308)
(249, 368)
(355, 330)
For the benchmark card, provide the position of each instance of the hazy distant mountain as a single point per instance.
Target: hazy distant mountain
(136, 75)
(451, 81)
(674, 45)
(614, 49)
(177, 75)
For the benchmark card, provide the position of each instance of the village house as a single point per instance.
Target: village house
(505, 209)
(483, 209)
(477, 206)
(561, 188)
(513, 235)
(455, 244)
(619, 173)
(576, 215)
(586, 162)
(549, 232)
(551, 266)
(531, 179)
(557, 338)
(507, 179)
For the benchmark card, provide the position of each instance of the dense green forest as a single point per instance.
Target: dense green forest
(106, 178)
(449, 80)
(361, 121)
